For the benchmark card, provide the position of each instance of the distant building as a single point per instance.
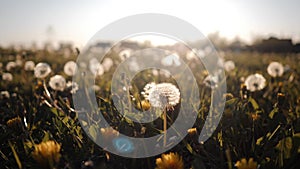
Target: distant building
(274, 45)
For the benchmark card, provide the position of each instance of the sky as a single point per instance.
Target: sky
(24, 22)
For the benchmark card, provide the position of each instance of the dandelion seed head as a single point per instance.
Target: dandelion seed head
(42, 70)
(29, 65)
(255, 82)
(70, 68)
(57, 83)
(275, 69)
(95, 67)
(162, 95)
(124, 54)
(10, 65)
(229, 65)
(7, 77)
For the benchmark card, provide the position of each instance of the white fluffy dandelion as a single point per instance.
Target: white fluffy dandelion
(29, 65)
(42, 70)
(7, 77)
(229, 65)
(95, 67)
(57, 82)
(10, 65)
(70, 68)
(162, 95)
(275, 69)
(255, 82)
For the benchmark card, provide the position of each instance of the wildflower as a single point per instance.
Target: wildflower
(47, 154)
(57, 82)
(244, 164)
(162, 95)
(170, 60)
(10, 65)
(229, 65)
(169, 161)
(72, 86)
(95, 67)
(255, 82)
(29, 65)
(70, 68)
(275, 69)
(7, 76)
(42, 70)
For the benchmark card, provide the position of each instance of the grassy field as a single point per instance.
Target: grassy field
(39, 128)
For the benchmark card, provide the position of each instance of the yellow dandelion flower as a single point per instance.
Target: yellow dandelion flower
(144, 105)
(47, 154)
(169, 161)
(192, 131)
(244, 164)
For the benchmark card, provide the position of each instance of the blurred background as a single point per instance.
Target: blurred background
(226, 23)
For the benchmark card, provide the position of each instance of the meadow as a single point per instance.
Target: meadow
(40, 128)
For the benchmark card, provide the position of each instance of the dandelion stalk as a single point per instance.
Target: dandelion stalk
(165, 127)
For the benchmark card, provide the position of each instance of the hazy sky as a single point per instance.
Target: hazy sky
(76, 21)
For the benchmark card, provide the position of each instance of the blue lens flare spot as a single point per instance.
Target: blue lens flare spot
(123, 145)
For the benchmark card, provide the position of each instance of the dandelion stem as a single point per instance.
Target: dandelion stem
(165, 127)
